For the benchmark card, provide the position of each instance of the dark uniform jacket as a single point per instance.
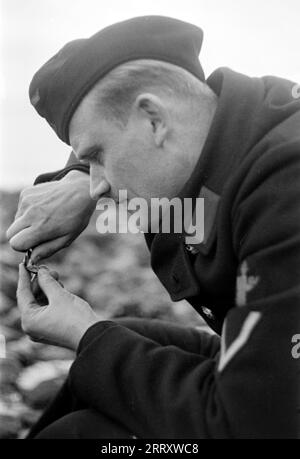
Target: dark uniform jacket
(243, 279)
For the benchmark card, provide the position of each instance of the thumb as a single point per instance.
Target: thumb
(46, 249)
(24, 293)
(48, 284)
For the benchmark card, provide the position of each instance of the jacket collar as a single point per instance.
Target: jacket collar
(232, 133)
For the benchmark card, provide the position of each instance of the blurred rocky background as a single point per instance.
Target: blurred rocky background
(111, 272)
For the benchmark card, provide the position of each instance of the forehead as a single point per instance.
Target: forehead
(90, 125)
(83, 123)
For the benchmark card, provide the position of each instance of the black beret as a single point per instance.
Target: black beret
(61, 83)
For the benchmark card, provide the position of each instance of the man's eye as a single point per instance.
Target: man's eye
(99, 157)
(95, 156)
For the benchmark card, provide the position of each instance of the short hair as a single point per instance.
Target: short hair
(116, 92)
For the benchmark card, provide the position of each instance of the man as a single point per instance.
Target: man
(133, 103)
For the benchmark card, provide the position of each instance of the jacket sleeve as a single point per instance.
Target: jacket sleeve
(72, 164)
(251, 389)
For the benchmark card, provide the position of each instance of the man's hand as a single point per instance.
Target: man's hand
(63, 321)
(51, 215)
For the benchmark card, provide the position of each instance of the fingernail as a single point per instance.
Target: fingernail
(43, 269)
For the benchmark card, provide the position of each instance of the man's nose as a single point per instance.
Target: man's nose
(98, 183)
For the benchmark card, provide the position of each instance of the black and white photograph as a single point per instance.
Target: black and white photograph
(149, 223)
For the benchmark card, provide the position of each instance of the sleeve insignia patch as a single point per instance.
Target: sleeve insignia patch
(244, 284)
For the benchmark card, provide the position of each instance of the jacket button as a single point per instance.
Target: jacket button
(191, 249)
(207, 312)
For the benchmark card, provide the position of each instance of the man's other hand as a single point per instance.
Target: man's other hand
(63, 321)
(51, 215)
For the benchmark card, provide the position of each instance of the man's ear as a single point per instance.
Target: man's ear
(152, 108)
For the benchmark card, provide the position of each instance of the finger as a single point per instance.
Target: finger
(22, 207)
(55, 276)
(18, 225)
(53, 273)
(24, 294)
(24, 202)
(48, 284)
(38, 293)
(29, 237)
(30, 197)
(25, 239)
(46, 249)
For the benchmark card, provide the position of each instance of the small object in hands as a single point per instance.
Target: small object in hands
(33, 270)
